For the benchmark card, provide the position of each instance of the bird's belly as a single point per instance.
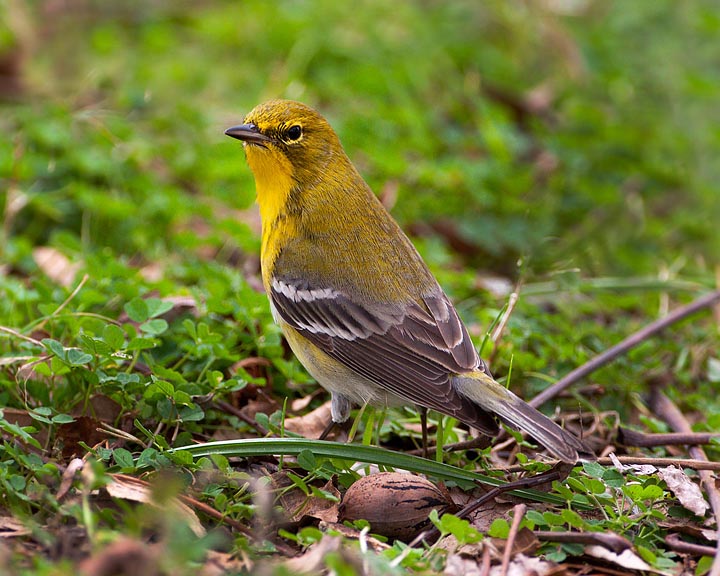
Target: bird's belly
(336, 377)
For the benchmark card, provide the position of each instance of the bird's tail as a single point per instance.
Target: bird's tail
(492, 397)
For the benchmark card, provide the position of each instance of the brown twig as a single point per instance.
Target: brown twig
(666, 409)
(21, 336)
(663, 462)
(628, 437)
(675, 543)
(628, 343)
(485, 566)
(477, 442)
(608, 540)
(518, 513)
(210, 511)
(213, 513)
(639, 460)
(582, 568)
(559, 473)
(239, 413)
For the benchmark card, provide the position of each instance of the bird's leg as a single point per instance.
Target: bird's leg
(339, 410)
(329, 428)
(423, 425)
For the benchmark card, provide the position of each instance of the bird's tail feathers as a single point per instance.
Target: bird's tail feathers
(495, 398)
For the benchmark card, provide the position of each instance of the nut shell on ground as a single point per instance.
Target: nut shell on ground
(396, 505)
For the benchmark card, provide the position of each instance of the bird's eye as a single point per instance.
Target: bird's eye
(294, 132)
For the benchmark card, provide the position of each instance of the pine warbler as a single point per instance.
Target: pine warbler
(355, 301)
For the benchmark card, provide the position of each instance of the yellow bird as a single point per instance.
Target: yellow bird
(355, 301)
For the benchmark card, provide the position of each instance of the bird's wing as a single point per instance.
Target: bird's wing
(410, 351)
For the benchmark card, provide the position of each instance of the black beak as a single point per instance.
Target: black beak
(248, 133)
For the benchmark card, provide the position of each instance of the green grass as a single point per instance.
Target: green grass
(572, 155)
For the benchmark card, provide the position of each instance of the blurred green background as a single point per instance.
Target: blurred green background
(574, 134)
(570, 145)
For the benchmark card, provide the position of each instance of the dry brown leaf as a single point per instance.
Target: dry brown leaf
(348, 532)
(11, 527)
(181, 305)
(522, 565)
(312, 561)
(525, 543)
(458, 565)
(129, 488)
(18, 416)
(312, 424)
(263, 405)
(153, 272)
(686, 491)
(642, 469)
(124, 556)
(68, 477)
(299, 506)
(82, 429)
(56, 265)
(101, 407)
(498, 286)
(682, 526)
(451, 544)
(627, 559)
(483, 517)
(222, 563)
(299, 404)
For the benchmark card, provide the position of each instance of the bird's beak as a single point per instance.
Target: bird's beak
(248, 133)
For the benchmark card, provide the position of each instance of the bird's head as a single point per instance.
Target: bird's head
(287, 141)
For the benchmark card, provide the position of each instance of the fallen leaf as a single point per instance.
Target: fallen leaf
(22, 418)
(18, 416)
(68, 477)
(458, 565)
(522, 565)
(300, 506)
(312, 424)
(100, 406)
(263, 405)
(686, 491)
(299, 404)
(82, 429)
(129, 488)
(453, 547)
(710, 535)
(56, 265)
(349, 532)
(153, 272)
(525, 543)
(221, 563)
(627, 559)
(313, 560)
(11, 527)
(482, 517)
(641, 469)
(124, 556)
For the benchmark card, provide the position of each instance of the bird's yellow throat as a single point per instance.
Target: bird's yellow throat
(273, 183)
